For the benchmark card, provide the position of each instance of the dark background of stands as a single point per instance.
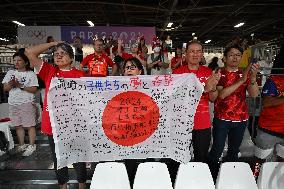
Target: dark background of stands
(209, 19)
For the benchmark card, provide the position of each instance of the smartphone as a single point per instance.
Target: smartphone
(253, 60)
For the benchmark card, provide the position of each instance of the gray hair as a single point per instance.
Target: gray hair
(67, 48)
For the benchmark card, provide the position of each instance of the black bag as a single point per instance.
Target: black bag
(4, 143)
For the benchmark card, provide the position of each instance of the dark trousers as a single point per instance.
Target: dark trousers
(131, 167)
(62, 174)
(201, 139)
(222, 129)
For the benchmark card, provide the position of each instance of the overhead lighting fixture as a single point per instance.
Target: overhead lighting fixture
(18, 23)
(170, 24)
(91, 23)
(3, 39)
(239, 25)
(208, 41)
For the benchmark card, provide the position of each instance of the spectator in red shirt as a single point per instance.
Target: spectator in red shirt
(201, 135)
(231, 111)
(134, 53)
(63, 57)
(178, 60)
(98, 62)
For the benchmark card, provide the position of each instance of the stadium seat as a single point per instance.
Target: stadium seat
(235, 175)
(271, 176)
(152, 175)
(194, 175)
(110, 175)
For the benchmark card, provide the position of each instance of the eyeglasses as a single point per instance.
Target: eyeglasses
(195, 51)
(234, 55)
(130, 67)
(61, 54)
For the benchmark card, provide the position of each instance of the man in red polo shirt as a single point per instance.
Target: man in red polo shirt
(201, 135)
(98, 62)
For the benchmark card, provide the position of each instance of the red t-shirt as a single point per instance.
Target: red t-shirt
(46, 73)
(175, 60)
(97, 64)
(272, 118)
(202, 116)
(234, 106)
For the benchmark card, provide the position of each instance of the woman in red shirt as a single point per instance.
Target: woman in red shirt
(178, 60)
(63, 57)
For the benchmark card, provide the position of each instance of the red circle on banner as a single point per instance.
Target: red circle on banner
(130, 118)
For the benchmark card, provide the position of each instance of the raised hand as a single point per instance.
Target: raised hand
(254, 69)
(246, 71)
(212, 81)
(119, 41)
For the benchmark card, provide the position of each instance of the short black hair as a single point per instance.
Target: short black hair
(232, 46)
(24, 57)
(135, 62)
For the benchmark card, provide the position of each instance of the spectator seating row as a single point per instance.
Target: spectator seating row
(196, 175)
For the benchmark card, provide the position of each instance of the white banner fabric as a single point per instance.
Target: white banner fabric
(114, 118)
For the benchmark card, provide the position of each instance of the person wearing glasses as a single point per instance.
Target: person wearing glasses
(201, 134)
(132, 67)
(231, 110)
(63, 57)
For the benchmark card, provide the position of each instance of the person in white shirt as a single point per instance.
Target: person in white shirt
(157, 62)
(22, 84)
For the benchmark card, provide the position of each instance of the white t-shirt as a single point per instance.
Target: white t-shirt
(16, 95)
(160, 70)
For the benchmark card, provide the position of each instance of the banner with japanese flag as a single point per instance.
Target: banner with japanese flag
(123, 117)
